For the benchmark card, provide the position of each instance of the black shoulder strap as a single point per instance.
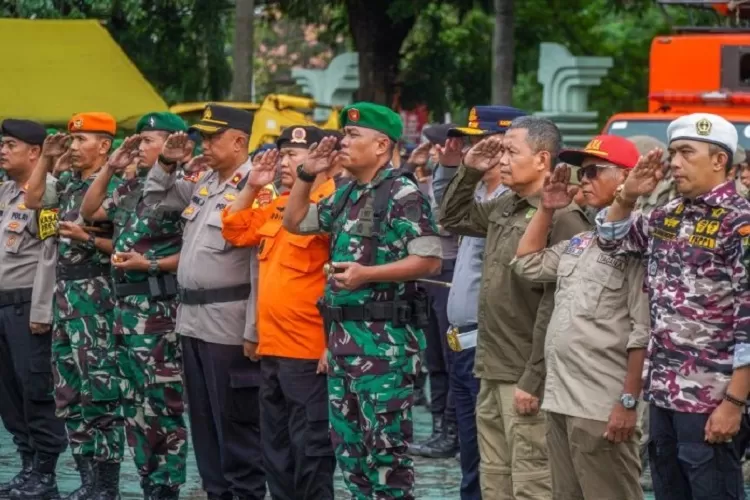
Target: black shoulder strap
(380, 207)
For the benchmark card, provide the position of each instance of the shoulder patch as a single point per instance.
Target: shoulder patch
(413, 210)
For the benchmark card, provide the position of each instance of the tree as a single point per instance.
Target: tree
(503, 50)
(242, 51)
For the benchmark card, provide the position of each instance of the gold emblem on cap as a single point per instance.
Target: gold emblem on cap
(78, 123)
(473, 118)
(207, 114)
(594, 145)
(353, 115)
(703, 127)
(151, 121)
(299, 135)
(504, 123)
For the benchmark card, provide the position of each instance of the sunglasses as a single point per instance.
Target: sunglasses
(590, 172)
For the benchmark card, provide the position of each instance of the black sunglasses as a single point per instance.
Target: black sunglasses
(590, 171)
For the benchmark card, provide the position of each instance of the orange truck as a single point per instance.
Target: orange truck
(696, 70)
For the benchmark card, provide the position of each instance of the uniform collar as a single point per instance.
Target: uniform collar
(323, 191)
(718, 195)
(240, 173)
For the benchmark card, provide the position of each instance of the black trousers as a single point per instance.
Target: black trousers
(27, 405)
(436, 356)
(685, 467)
(222, 391)
(297, 448)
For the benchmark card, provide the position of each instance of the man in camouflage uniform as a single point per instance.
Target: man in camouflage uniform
(698, 267)
(147, 243)
(383, 237)
(83, 347)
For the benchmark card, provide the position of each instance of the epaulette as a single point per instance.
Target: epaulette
(194, 177)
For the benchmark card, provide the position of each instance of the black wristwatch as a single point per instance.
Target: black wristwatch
(165, 161)
(303, 175)
(153, 267)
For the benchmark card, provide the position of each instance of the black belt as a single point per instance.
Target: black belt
(399, 311)
(15, 297)
(192, 297)
(81, 272)
(161, 287)
(468, 328)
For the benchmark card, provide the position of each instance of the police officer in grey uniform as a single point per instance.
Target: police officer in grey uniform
(215, 315)
(27, 282)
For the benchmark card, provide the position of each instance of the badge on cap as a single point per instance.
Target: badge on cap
(353, 115)
(151, 121)
(473, 119)
(207, 114)
(78, 124)
(299, 134)
(504, 123)
(703, 127)
(594, 145)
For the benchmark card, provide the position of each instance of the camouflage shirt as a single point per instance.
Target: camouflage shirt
(408, 228)
(79, 298)
(153, 232)
(698, 259)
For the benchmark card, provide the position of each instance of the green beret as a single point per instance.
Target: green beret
(115, 144)
(374, 116)
(166, 122)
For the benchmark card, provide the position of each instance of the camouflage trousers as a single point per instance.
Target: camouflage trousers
(87, 391)
(371, 423)
(152, 390)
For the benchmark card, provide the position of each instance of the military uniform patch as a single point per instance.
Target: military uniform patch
(578, 244)
(610, 261)
(413, 211)
(47, 223)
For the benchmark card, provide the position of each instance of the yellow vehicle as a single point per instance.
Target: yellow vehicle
(274, 114)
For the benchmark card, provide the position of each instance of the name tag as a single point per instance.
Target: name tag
(610, 261)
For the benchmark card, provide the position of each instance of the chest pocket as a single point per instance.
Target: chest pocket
(268, 231)
(599, 289)
(306, 255)
(14, 233)
(213, 237)
(509, 232)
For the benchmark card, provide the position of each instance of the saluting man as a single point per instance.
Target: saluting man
(294, 398)
(215, 314)
(383, 237)
(146, 251)
(87, 388)
(27, 282)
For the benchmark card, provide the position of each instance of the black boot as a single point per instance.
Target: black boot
(42, 485)
(147, 488)
(437, 431)
(27, 466)
(107, 486)
(445, 446)
(163, 492)
(86, 471)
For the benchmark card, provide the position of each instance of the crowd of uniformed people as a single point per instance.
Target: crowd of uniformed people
(580, 313)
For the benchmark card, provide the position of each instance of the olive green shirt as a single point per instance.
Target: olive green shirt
(513, 312)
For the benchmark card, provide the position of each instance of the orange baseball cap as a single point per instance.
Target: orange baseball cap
(612, 148)
(96, 122)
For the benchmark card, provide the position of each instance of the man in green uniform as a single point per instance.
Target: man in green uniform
(147, 243)
(383, 237)
(83, 347)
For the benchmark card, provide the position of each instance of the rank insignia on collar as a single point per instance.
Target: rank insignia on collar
(230, 196)
(236, 179)
(203, 191)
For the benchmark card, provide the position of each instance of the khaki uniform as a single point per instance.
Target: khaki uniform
(513, 317)
(601, 311)
(27, 285)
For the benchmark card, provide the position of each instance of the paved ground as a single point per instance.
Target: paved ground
(436, 479)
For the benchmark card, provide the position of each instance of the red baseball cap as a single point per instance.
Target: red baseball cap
(612, 148)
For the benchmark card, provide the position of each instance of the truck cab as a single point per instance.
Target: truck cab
(696, 69)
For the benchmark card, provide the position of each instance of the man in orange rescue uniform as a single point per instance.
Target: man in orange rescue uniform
(297, 450)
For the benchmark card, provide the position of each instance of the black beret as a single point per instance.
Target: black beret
(438, 133)
(24, 130)
(300, 137)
